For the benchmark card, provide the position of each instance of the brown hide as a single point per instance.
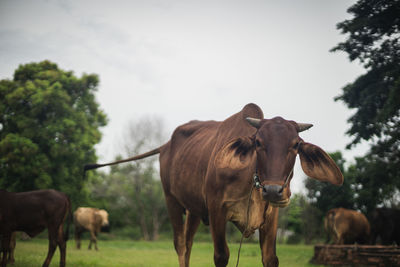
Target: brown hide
(207, 172)
(89, 219)
(347, 226)
(32, 212)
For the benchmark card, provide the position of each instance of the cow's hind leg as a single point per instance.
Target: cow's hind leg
(78, 233)
(52, 246)
(191, 224)
(175, 212)
(62, 244)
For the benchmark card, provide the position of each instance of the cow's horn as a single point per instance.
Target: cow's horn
(304, 126)
(254, 122)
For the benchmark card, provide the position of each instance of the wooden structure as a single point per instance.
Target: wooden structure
(356, 255)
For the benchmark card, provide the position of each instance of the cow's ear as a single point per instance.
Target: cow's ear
(236, 154)
(317, 164)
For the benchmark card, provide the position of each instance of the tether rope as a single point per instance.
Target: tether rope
(247, 223)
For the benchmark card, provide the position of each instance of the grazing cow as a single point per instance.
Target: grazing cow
(92, 220)
(236, 170)
(32, 212)
(347, 226)
(385, 224)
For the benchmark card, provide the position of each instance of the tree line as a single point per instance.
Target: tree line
(50, 122)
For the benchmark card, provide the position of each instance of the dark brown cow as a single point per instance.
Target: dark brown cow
(208, 173)
(385, 226)
(347, 226)
(32, 212)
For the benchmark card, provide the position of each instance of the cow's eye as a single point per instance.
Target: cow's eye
(258, 144)
(296, 146)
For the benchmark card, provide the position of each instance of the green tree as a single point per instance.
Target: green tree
(325, 196)
(371, 183)
(132, 192)
(49, 124)
(362, 188)
(373, 39)
(301, 218)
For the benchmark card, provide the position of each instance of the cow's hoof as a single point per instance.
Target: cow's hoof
(272, 262)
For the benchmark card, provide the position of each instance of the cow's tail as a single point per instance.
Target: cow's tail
(69, 220)
(141, 156)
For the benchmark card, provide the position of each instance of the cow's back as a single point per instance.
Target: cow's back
(84, 218)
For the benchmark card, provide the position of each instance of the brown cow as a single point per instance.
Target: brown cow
(347, 226)
(92, 220)
(236, 170)
(32, 212)
(385, 226)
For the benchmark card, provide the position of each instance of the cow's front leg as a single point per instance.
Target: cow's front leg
(268, 238)
(62, 245)
(218, 228)
(78, 234)
(95, 240)
(5, 245)
(92, 240)
(52, 246)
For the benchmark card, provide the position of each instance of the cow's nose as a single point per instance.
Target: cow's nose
(272, 192)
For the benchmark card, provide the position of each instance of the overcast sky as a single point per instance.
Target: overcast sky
(183, 60)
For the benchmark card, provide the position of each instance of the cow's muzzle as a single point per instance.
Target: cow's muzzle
(274, 194)
(106, 228)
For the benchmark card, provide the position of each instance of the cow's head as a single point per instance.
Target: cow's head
(105, 226)
(274, 148)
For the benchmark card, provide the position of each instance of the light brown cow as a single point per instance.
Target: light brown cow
(92, 220)
(347, 226)
(236, 170)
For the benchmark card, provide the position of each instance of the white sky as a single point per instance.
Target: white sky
(183, 60)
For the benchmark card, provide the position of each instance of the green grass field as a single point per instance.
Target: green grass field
(161, 253)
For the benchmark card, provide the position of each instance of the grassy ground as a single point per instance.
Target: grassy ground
(140, 253)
